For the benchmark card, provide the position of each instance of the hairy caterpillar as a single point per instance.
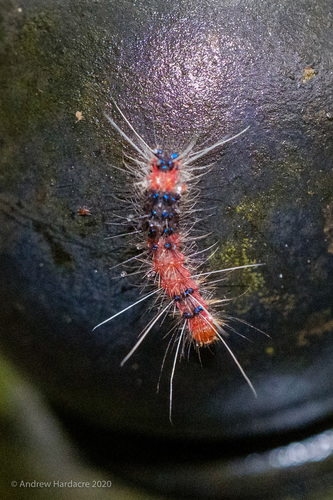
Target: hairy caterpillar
(161, 183)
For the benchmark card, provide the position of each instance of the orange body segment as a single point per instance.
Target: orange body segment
(169, 262)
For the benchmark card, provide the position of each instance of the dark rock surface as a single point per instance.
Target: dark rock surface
(202, 70)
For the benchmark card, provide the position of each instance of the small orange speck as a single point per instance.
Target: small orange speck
(84, 211)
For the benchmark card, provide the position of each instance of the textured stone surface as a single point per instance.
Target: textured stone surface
(197, 70)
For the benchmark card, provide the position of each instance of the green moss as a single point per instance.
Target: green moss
(283, 303)
(248, 284)
(249, 279)
(248, 209)
(255, 208)
(46, 76)
(27, 94)
(240, 255)
(43, 82)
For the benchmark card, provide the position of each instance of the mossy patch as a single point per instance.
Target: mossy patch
(248, 281)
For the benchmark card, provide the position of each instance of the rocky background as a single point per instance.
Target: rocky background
(179, 71)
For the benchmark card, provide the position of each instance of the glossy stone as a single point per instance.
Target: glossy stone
(195, 70)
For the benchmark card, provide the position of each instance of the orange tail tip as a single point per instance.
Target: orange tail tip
(203, 330)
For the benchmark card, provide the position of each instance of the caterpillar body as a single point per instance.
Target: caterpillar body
(162, 182)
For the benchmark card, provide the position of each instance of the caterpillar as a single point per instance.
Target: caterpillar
(161, 182)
